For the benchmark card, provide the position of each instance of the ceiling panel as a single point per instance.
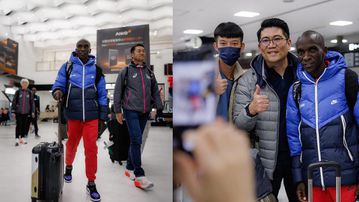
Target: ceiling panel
(46, 22)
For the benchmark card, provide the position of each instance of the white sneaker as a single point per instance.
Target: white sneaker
(130, 174)
(143, 183)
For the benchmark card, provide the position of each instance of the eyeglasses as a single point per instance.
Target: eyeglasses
(266, 41)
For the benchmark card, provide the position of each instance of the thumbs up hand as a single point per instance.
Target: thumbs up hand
(259, 103)
(221, 85)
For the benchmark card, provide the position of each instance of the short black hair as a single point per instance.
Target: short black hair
(134, 47)
(274, 22)
(228, 30)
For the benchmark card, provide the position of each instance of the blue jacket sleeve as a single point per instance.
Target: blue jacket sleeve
(356, 109)
(295, 146)
(60, 82)
(102, 98)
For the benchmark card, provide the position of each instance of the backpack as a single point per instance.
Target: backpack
(351, 89)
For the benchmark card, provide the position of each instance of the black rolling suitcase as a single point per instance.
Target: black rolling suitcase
(47, 170)
(324, 164)
(118, 151)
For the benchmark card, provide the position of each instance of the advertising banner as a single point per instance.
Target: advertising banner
(8, 56)
(113, 46)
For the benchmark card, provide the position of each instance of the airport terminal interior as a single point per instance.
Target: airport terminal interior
(37, 38)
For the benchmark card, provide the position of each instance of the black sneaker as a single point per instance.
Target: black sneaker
(37, 136)
(92, 191)
(67, 175)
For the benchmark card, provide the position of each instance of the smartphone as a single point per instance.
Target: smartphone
(194, 99)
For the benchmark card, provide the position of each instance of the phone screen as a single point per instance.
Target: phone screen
(194, 99)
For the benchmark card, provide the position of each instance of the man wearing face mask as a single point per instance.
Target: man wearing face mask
(228, 38)
(229, 43)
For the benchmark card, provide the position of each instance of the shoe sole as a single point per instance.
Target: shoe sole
(139, 185)
(127, 174)
(68, 181)
(88, 192)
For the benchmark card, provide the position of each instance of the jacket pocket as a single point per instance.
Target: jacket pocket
(344, 125)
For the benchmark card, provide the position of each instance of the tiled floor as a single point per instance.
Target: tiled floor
(15, 169)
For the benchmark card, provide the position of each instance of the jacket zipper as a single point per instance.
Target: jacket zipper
(128, 97)
(144, 92)
(317, 123)
(344, 124)
(83, 92)
(24, 93)
(68, 95)
(300, 140)
(96, 103)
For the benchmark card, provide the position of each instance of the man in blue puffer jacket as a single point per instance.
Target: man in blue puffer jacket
(323, 128)
(85, 107)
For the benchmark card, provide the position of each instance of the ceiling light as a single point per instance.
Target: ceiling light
(336, 41)
(192, 31)
(341, 23)
(246, 14)
(292, 49)
(248, 54)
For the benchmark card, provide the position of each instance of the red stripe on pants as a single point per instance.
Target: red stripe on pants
(328, 195)
(88, 130)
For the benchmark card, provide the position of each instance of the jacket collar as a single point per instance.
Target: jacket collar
(259, 66)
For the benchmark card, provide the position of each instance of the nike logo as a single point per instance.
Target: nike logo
(135, 75)
(333, 102)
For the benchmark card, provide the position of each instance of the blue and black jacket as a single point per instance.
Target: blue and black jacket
(86, 99)
(323, 128)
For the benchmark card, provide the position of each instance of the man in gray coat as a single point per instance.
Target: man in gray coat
(260, 102)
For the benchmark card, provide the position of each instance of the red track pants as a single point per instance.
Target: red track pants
(88, 130)
(328, 195)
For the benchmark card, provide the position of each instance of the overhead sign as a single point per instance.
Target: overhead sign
(113, 46)
(353, 46)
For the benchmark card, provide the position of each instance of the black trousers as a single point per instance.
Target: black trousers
(22, 121)
(284, 172)
(34, 122)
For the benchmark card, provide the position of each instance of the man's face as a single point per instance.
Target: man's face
(83, 49)
(310, 54)
(222, 42)
(273, 45)
(33, 90)
(138, 54)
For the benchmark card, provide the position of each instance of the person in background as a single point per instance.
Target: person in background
(23, 109)
(37, 112)
(47, 109)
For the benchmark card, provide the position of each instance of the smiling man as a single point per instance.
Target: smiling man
(83, 85)
(260, 101)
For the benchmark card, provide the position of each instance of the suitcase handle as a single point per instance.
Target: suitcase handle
(324, 164)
